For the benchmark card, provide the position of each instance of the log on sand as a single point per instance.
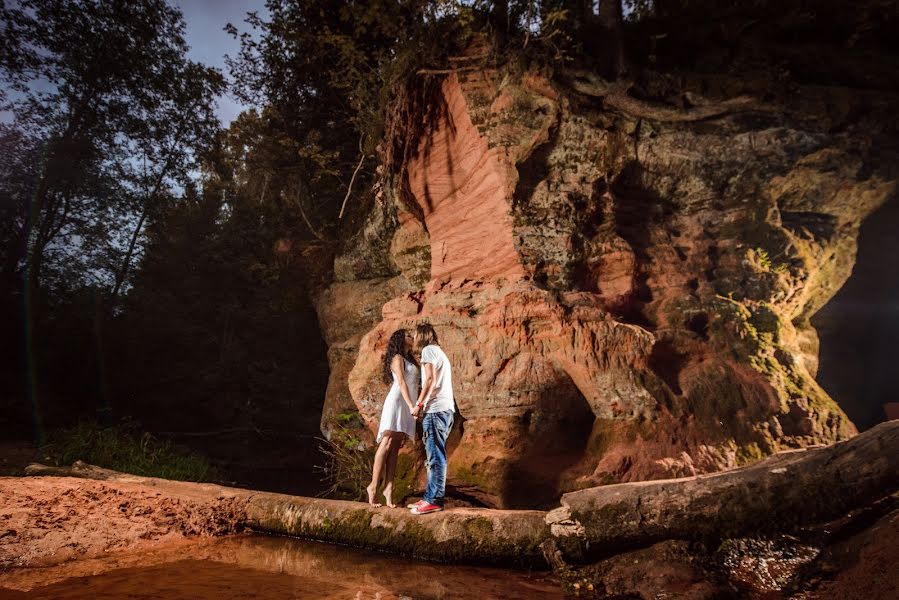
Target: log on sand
(786, 491)
(482, 536)
(780, 494)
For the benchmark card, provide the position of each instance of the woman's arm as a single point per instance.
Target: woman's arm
(396, 366)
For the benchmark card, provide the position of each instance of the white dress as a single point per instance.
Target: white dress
(395, 415)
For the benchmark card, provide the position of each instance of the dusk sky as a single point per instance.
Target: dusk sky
(209, 43)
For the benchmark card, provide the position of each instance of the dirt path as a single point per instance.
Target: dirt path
(48, 520)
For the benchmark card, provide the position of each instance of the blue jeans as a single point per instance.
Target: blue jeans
(436, 427)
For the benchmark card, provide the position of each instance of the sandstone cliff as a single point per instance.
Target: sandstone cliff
(623, 286)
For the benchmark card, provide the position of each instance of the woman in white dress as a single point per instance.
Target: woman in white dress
(397, 422)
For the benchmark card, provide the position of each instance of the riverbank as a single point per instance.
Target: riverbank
(49, 520)
(795, 525)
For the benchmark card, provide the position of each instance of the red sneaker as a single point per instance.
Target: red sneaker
(415, 504)
(426, 508)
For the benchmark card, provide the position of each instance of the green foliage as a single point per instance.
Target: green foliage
(219, 312)
(124, 448)
(108, 118)
(116, 130)
(749, 453)
(347, 466)
(349, 420)
(764, 261)
(337, 83)
(346, 469)
(323, 74)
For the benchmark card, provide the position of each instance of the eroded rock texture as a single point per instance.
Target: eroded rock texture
(624, 290)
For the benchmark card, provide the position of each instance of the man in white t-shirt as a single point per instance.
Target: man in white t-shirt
(435, 401)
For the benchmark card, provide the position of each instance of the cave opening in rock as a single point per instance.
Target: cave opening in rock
(557, 431)
(859, 326)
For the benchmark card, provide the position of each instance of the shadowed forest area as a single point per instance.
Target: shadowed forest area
(158, 268)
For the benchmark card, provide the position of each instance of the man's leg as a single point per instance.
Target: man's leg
(427, 437)
(436, 427)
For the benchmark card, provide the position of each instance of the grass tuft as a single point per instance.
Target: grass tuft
(125, 448)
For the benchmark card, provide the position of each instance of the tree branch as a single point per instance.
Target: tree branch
(299, 204)
(349, 188)
(615, 96)
(447, 71)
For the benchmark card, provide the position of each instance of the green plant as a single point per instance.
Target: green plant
(349, 420)
(346, 469)
(123, 447)
(763, 259)
(347, 466)
(765, 262)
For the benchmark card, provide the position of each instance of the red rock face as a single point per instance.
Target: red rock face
(620, 299)
(464, 189)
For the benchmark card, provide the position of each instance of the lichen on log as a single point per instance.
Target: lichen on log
(786, 491)
(461, 535)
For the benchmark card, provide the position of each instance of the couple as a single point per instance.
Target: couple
(434, 403)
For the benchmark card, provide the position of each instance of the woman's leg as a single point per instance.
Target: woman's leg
(390, 468)
(378, 467)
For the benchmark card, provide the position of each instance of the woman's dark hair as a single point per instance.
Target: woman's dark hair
(396, 345)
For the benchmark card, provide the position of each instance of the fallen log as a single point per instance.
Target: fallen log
(81, 470)
(780, 494)
(462, 535)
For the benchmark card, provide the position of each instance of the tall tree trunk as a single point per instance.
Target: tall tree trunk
(132, 243)
(499, 14)
(102, 377)
(16, 251)
(126, 262)
(34, 245)
(39, 231)
(611, 22)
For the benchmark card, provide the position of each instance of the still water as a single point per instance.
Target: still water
(269, 568)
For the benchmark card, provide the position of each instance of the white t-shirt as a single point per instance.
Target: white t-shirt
(442, 395)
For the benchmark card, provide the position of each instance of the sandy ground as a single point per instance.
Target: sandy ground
(865, 566)
(48, 520)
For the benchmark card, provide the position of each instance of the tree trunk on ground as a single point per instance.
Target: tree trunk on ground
(500, 537)
(780, 494)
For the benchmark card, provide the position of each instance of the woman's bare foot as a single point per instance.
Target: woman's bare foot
(388, 495)
(372, 489)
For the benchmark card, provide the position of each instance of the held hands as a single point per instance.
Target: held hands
(416, 410)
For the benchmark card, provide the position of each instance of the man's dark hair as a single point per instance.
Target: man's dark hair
(426, 336)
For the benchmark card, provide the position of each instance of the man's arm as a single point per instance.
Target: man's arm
(426, 390)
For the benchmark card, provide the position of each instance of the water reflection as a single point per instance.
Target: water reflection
(266, 567)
